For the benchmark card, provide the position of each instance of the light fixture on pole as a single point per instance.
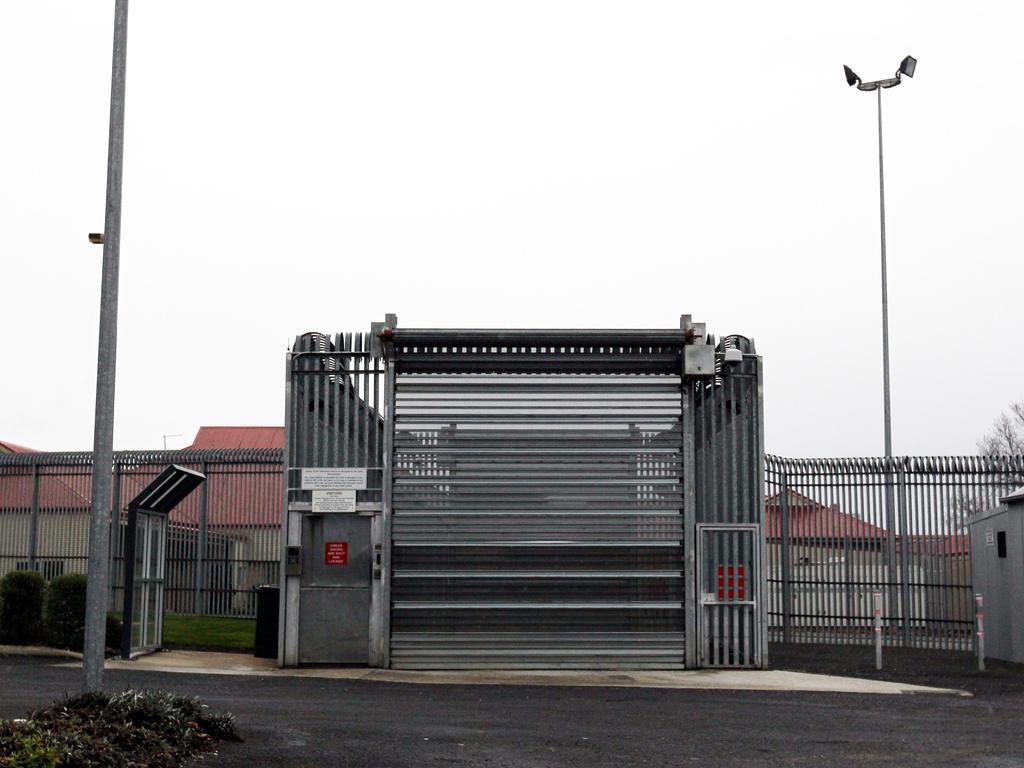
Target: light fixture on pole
(907, 67)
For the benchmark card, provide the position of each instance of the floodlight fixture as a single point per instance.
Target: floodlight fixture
(907, 67)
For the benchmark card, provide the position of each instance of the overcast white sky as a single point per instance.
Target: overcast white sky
(313, 165)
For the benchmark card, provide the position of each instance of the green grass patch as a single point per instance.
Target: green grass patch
(209, 632)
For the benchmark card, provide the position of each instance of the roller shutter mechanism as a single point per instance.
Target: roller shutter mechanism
(537, 520)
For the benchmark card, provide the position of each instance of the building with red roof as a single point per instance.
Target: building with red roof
(237, 437)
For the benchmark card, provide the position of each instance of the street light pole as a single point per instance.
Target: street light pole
(885, 289)
(907, 67)
(97, 596)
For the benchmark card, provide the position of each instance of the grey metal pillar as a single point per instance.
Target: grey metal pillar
(691, 590)
(892, 532)
(33, 526)
(786, 564)
(905, 546)
(387, 481)
(201, 544)
(103, 434)
(761, 586)
(115, 533)
(287, 649)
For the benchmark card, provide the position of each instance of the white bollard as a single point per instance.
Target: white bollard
(979, 628)
(876, 598)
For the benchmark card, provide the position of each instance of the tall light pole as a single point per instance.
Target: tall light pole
(907, 67)
(97, 593)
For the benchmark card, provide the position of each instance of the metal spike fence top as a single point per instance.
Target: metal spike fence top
(136, 458)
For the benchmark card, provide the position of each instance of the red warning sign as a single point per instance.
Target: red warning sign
(336, 553)
(731, 582)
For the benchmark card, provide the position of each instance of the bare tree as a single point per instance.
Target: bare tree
(1006, 437)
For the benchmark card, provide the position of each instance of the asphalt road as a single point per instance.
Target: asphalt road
(309, 722)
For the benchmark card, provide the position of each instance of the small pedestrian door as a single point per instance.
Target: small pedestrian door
(334, 596)
(729, 572)
(150, 567)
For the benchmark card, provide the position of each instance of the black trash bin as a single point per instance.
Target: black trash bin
(267, 611)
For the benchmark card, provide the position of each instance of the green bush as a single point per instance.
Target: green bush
(20, 749)
(64, 611)
(21, 607)
(148, 728)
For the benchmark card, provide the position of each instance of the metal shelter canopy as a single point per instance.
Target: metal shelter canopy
(147, 517)
(167, 490)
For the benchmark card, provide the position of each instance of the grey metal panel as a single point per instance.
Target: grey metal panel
(1000, 580)
(537, 518)
(535, 650)
(334, 625)
(354, 531)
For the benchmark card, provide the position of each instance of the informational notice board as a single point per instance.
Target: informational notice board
(334, 479)
(334, 501)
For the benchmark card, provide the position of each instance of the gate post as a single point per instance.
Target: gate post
(891, 582)
(116, 542)
(905, 547)
(200, 600)
(691, 592)
(33, 525)
(387, 481)
(787, 582)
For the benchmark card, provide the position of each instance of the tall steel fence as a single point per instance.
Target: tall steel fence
(838, 530)
(222, 541)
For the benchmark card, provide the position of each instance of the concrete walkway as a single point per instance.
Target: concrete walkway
(41, 651)
(196, 662)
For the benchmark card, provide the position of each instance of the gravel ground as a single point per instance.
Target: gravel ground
(353, 723)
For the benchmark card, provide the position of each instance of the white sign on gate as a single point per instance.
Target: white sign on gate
(334, 501)
(334, 479)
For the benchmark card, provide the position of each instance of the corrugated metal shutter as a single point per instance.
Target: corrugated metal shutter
(537, 521)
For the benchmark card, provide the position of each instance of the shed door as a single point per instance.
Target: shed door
(537, 521)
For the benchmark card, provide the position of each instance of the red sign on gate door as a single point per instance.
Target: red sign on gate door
(336, 553)
(731, 582)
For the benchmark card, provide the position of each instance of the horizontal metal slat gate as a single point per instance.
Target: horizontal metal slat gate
(537, 509)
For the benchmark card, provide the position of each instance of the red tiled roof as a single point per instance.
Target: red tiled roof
(238, 437)
(6, 447)
(60, 488)
(811, 519)
(950, 545)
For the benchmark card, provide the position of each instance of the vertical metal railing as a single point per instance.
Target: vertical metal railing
(829, 541)
(220, 544)
(839, 530)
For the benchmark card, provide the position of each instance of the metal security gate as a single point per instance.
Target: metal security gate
(537, 520)
(729, 571)
(539, 491)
